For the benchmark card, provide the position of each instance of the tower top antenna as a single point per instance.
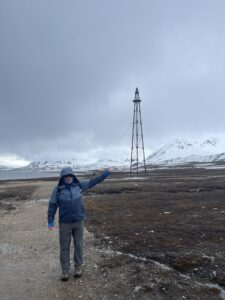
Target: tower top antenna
(136, 97)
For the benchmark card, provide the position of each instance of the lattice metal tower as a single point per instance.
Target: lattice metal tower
(137, 160)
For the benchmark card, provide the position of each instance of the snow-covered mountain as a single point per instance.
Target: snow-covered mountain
(182, 151)
(179, 151)
(78, 165)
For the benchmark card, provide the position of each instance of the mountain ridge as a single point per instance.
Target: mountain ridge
(186, 151)
(177, 152)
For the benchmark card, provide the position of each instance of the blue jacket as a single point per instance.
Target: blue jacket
(69, 199)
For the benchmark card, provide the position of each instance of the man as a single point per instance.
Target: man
(67, 196)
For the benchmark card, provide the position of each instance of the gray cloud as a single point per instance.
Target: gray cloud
(68, 71)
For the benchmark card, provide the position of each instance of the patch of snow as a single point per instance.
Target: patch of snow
(43, 200)
(137, 289)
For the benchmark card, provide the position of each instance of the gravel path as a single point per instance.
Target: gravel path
(29, 259)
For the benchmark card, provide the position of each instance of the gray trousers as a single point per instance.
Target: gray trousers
(66, 231)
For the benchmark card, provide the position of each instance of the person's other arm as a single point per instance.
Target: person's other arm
(52, 208)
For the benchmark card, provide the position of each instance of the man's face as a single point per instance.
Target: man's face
(69, 179)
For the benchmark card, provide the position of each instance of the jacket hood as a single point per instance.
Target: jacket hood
(66, 171)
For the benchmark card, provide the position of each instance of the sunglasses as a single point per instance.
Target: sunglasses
(69, 175)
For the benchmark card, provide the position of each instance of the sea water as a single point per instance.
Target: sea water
(26, 174)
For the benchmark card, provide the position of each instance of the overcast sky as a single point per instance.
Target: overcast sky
(69, 69)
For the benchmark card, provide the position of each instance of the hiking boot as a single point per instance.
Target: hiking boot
(78, 271)
(64, 277)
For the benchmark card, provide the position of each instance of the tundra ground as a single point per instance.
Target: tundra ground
(159, 235)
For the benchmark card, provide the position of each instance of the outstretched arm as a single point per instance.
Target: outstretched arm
(87, 184)
(52, 208)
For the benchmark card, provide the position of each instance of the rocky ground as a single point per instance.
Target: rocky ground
(159, 235)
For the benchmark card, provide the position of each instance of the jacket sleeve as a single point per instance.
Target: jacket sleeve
(87, 184)
(52, 207)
